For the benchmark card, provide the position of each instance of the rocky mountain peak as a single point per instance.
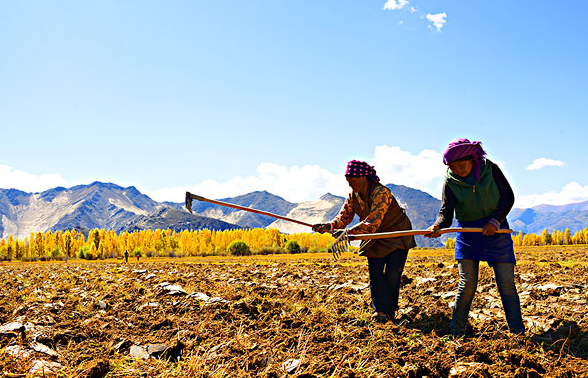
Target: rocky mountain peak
(330, 197)
(110, 206)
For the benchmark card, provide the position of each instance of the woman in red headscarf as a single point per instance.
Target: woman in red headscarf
(378, 211)
(476, 190)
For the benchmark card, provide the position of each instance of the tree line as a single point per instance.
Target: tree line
(552, 238)
(102, 244)
(555, 237)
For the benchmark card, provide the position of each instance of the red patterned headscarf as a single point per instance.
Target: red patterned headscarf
(461, 148)
(357, 168)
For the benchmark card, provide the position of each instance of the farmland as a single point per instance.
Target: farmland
(286, 315)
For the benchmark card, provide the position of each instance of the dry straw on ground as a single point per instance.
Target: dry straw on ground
(276, 316)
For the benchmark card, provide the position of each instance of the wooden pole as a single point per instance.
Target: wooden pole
(397, 234)
(190, 197)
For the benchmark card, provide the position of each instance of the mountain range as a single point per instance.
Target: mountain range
(98, 205)
(109, 206)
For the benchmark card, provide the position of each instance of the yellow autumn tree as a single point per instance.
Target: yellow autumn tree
(567, 237)
(518, 240)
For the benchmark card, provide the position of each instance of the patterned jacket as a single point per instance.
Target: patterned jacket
(380, 212)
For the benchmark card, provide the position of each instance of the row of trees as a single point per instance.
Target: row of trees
(546, 238)
(102, 243)
(554, 238)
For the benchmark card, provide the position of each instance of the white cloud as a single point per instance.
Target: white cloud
(544, 162)
(294, 184)
(424, 171)
(570, 193)
(28, 182)
(395, 4)
(438, 20)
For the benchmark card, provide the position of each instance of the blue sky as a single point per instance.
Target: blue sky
(226, 97)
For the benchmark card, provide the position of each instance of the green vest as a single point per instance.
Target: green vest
(474, 201)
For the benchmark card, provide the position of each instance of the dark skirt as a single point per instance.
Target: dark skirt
(476, 246)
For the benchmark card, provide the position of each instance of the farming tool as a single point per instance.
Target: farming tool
(190, 197)
(341, 244)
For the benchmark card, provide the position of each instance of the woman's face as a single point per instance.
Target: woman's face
(462, 168)
(357, 184)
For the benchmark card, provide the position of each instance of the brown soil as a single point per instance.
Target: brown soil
(302, 317)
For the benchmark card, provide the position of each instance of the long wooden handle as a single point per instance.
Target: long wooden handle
(190, 196)
(397, 234)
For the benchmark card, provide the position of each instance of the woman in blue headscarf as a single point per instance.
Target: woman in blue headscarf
(476, 190)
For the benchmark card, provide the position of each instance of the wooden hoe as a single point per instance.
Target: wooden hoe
(342, 243)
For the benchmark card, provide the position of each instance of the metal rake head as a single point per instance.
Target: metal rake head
(340, 245)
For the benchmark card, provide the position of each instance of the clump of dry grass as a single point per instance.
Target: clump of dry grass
(305, 314)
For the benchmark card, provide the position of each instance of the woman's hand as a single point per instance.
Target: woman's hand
(489, 229)
(321, 227)
(434, 232)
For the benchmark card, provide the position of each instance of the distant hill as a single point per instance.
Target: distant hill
(322, 210)
(534, 220)
(176, 220)
(422, 209)
(97, 205)
(578, 206)
(260, 200)
(109, 206)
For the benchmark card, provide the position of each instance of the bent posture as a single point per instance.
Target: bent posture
(476, 190)
(378, 211)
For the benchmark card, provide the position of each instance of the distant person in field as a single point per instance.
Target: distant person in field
(126, 256)
(378, 211)
(476, 190)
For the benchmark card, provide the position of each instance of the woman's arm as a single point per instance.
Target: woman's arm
(381, 200)
(448, 202)
(345, 215)
(445, 216)
(506, 201)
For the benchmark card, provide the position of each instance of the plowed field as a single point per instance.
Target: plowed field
(276, 316)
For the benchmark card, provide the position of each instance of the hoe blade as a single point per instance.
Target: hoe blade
(189, 202)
